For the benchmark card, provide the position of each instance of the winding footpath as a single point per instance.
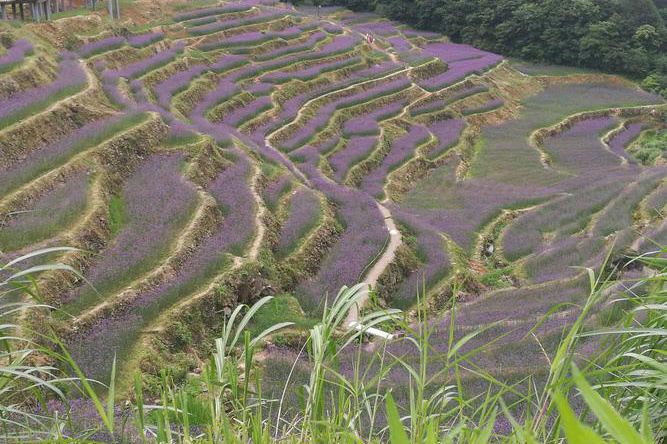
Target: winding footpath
(380, 265)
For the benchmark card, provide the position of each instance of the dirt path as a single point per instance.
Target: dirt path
(253, 252)
(382, 263)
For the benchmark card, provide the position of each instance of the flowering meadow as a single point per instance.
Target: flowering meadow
(244, 149)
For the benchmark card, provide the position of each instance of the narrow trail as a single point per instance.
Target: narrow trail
(253, 253)
(382, 263)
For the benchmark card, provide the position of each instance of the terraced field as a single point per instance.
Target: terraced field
(250, 148)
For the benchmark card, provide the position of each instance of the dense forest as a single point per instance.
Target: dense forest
(621, 36)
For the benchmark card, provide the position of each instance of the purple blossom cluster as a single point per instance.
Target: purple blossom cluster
(380, 28)
(141, 67)
(48, 156)
(567, 213)
(365, 235)
(483, 108)
(15, 54)
(107, 44)
(224, 91)
(166, 89)
(521, 303)
(579, 149)
(290, 108)
(337, 46)
(95, 348)
(309, 73)
(241, 115)
(368, 124)
(256, 37)
(436, 105)
(260, 89)
(308, 45)
(558, 261)
(150, 215)
(448, 133)
(324, 113)
(275, 190)
(463, 60)
(331, 28)
(211, 28)
(401, 150)
(657, 201)
(623, 139)
(70, 78)
(227, 62)
(619, 213)
(47, 215)
(204, 12)
(142, 40)
(400, 43)
(433, 254)
(354, 151)
(304, 211)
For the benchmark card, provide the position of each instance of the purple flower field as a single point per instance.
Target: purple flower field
(95, 349)
(15, 55)
(401, 150)
(71, 79)
(622, 140)
(14, 174)
(364, 234)
(448, 133)
(150, 215)
(368, 124)
(140, 68)
(166, 89)
(47, 215)
(93, 48)
(355, 150)
(142, 40)
(251, 97)
(324, 113)
(242, 115)
(580, 149)
(304, 211)
(204, 12)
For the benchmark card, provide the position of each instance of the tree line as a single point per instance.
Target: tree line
(628, 37)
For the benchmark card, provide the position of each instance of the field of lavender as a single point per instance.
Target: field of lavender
(251, 147)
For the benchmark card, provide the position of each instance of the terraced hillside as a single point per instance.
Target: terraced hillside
(250, 148)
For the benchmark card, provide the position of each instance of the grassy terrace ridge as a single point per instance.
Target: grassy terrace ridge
(216, 156)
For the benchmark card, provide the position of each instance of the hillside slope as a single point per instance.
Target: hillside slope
(251, 148)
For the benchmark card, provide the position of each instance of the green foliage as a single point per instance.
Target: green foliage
(627, 36)
(116, 214)
(622, 392)
(650, 147)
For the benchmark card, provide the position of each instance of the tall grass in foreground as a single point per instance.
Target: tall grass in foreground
(619, 397)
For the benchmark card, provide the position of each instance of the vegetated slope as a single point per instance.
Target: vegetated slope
(622, 36)
(250, 148)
